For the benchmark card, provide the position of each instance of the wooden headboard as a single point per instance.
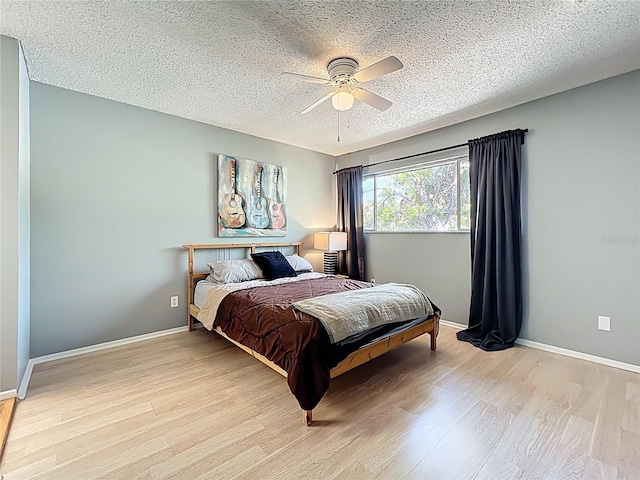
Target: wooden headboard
(248, 247)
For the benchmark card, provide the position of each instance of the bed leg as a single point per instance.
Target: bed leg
(307, 417)
(190, 322)
(435, 331)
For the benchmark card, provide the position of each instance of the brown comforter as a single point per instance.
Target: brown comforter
(262, 319)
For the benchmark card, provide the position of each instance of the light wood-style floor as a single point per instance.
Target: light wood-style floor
(193, 406)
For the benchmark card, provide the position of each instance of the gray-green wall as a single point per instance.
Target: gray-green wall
(581, 221)
(116, 190)
(14, 214)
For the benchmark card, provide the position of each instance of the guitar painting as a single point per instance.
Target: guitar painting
(232, 213)
(258, 216)
(276, 211)
(252, 198)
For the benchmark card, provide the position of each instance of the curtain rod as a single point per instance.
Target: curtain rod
(418, 154)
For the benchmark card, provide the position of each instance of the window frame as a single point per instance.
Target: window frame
(457, 159)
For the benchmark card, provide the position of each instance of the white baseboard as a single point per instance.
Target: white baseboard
(580, 355)
(24, 384)
(561, 351)
(458, 326)
(22, 392)
(8, 394)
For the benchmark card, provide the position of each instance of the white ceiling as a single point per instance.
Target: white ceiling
(218, 62)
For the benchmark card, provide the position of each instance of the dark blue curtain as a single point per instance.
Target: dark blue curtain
(495, 315)
(351, 220)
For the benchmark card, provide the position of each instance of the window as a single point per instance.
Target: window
(425, 198)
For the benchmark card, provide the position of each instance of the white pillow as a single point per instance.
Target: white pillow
(235, 271)
(299, 264)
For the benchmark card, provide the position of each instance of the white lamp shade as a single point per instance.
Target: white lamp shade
(342, 100)
(330, 241)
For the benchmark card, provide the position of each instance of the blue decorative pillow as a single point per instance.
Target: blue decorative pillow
(273, 265)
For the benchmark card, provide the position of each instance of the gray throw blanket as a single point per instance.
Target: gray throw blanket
(356, 311)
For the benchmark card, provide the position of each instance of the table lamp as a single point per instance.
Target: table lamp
(331, 243)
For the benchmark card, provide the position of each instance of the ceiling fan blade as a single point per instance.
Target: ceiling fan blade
(388, 65)
(376, 101)
(306, 78)
(311, 107)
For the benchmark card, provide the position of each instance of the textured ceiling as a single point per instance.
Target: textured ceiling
(218, 62)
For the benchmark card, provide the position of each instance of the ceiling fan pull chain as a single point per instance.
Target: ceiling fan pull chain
(338, 126)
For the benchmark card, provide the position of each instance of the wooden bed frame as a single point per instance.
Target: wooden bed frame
(363, 355)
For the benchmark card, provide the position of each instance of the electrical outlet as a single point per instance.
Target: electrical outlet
(174, 301)
(604, 323)
(373, 280)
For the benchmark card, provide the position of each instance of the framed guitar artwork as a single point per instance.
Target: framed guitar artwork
(276, 207)
(252, 198)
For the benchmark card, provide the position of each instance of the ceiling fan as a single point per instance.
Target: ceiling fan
(346, 79)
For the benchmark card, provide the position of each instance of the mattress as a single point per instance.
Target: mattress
(202, 288)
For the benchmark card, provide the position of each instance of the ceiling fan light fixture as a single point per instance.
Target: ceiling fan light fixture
(345, 74)
(343, 100)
